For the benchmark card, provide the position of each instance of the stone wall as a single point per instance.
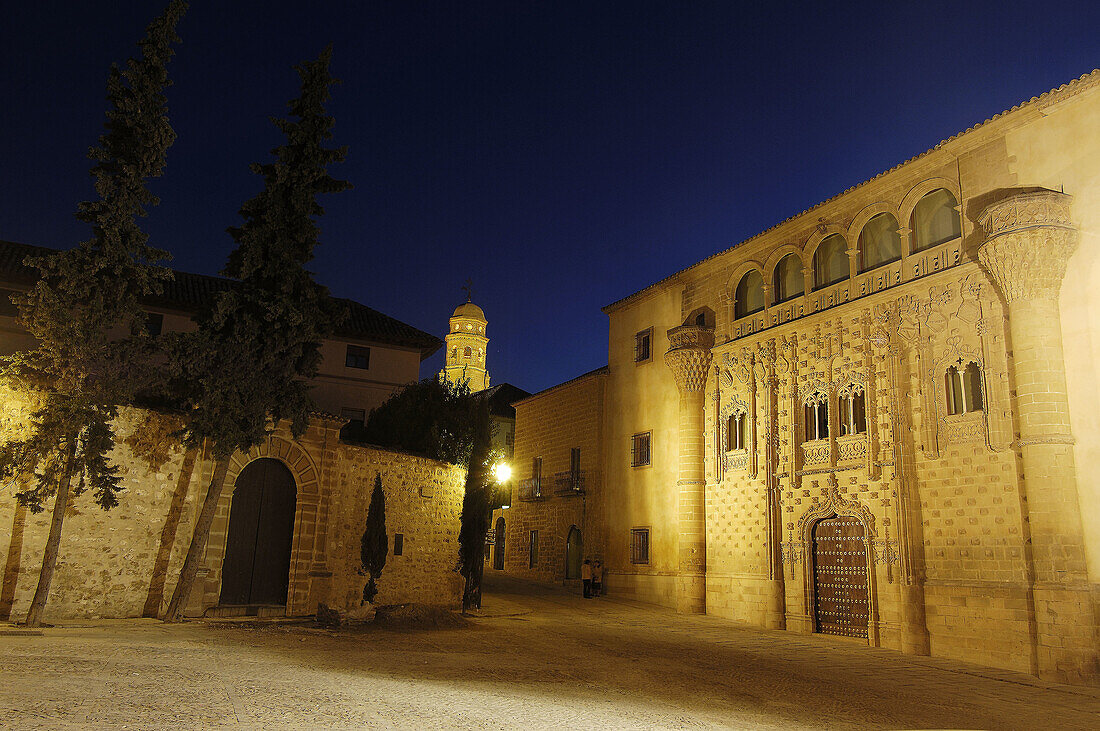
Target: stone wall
(559, 507)
(123, 563)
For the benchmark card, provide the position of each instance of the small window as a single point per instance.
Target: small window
(575, 460)
(831, 261)
(640, 450)
(749, 297)
(817, 418)
(357, 357)
(639, 545)
(935, 220)
(467, 352)
(853, 414)
(533, 556)
(789, 280)
(964, 389)
(154, 323)
(642, 345)
(737, 431)
(354, 416)
(701, 320)
(879, 242)
(398, 544)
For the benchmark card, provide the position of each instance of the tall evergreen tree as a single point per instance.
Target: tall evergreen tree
(83, 298)
(375, 544)
(476, 507)
(245, 368)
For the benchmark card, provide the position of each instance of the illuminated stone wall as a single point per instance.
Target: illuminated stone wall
(981, 529)
(560, 508)
(123, 563)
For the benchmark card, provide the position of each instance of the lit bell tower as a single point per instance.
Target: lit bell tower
(466, 346)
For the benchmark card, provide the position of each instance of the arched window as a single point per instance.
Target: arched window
(789, 282)
(749, 297)
(831, 261)
(879, 242)
(853, 412)
(737, 431)
(964, 388)
(467, 352)
(817, 416)
(935, 220)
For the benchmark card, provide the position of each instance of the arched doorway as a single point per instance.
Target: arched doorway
(498, 547)
(256, 568)
(574, 550)
(841, 605)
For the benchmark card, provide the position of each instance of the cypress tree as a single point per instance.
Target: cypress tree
(375, 543)
(245, 368)
(85, 295)
(476, 506)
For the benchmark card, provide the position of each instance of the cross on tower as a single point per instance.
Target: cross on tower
(468, 288)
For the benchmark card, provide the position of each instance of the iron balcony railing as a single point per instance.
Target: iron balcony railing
(531, 489)
(571, 482)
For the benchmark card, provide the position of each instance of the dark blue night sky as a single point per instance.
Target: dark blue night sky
(561, 154)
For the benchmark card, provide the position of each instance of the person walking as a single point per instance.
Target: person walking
(586, 578)
(597, 578)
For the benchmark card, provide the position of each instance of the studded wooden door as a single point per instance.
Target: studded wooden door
(841, 603)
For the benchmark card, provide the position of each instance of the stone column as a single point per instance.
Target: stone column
(689, 358)
(1029, 240)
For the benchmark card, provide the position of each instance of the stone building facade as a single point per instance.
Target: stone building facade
(290, 519)
(555, 515)
(881, 417)
(124, 562)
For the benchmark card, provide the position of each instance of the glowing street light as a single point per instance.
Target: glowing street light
(502, 471)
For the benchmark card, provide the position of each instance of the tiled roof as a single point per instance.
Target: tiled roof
(191, 292)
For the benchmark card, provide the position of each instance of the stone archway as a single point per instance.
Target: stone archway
(310, 533)
(256, 565)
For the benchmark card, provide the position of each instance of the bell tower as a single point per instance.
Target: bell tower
(466, 346)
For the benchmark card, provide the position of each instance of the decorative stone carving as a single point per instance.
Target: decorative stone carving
(816, 452)
(968, 427)
(1030, 238)
(689, 356)
(851, 448)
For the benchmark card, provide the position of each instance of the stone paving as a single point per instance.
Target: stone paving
(537, 657)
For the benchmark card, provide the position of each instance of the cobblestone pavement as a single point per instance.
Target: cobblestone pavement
(537, 658)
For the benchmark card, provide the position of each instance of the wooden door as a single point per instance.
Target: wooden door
(574, 547)
(498, 549)
(841, 605)
(256, 568)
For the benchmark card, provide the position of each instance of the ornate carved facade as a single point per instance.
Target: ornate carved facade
(905, 429)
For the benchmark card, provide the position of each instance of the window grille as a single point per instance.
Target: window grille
(639, 545)
(642, 342)
(533, 557)
(640, 450)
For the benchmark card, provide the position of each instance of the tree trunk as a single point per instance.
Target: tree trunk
(198, 542)
(155, 597)
(53, 543)
(471, 594)
(11, 566)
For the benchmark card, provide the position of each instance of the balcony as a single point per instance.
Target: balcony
(571, 483)
(531, 490)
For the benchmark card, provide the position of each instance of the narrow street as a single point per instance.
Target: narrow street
(537, 657)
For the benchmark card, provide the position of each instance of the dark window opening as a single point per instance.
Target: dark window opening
(398, 544)
(642, 345)
(357, 357)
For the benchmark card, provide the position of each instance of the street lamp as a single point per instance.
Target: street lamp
(502, 471)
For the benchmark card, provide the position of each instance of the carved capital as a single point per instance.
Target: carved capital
(1029, 240)
(689, 356)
